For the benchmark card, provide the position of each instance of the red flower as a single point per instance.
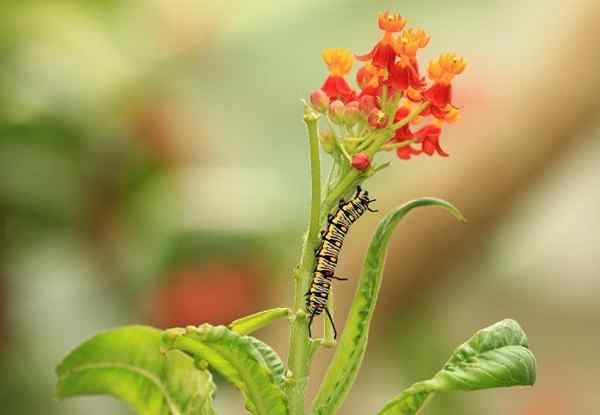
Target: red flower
(429, 138)
(406, 152)
(336, 87)
(403, 133)
(440, 95)
(339, 62)
(383, 54)
(404, 75)
(442, 71)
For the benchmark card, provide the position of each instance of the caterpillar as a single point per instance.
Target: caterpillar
(326, 255)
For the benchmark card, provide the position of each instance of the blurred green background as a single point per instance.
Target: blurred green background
(153, 169)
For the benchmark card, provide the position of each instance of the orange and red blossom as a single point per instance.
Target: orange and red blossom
(370, 79)
(404, 73)
(391, 85)
(383, 54)
(339, 62)
(442, 71)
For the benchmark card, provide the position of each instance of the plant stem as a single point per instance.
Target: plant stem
(300, 349)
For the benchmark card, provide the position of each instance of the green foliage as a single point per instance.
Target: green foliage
(497, 356)
(253, 322)
(127, 364)
(346, 362)
(239, 360)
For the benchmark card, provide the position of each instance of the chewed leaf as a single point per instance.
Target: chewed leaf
(238, 359)
(497, 356)
(251, 323)
(348, 357)
(127, 364)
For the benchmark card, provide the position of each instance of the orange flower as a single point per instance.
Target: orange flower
(391, 22)
(442, 71)
(410, 41)
(370, 79)
(404, 73)
(339, 62)
(383, 54)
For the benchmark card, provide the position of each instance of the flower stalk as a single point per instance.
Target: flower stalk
(300, 349)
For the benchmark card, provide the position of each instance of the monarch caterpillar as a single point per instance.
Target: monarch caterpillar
(332, 239)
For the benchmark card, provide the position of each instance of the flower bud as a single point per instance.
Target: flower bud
(327, 140)
(336, 111)
(377, 119)
(319, 100)
(366, 103)
(351, 113)
(360, 161)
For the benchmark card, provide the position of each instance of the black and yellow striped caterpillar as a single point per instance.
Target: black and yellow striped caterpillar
(332, 239)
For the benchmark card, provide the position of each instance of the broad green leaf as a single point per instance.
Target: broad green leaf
(497, 356)
(127, 364)
(235, 357)
(272, 359)
(253, 322)
(346, 362)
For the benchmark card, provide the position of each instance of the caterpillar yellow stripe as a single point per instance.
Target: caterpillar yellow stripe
(332, 240)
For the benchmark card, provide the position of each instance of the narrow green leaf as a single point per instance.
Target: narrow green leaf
(497, 356)
(253, 322)
(236, 358)
(127, 364)
(346, 362)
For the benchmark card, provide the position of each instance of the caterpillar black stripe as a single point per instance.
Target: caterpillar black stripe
(332, 239)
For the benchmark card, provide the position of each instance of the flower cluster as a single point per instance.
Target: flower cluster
(392, 96)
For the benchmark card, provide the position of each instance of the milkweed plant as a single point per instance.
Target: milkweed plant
(395, 108)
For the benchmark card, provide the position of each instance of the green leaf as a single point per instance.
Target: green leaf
(127, 364)
(253, 322)
(346, 362)
(497, 356)
(272, 359)
(238, 359)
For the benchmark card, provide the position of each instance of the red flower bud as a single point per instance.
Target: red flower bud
(319, 100)
(351, 113)
(377, 118)
(336, 111)
(366, 103)
(360, 161)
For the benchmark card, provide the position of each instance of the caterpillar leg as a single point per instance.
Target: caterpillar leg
(310, 320)
(332, 323)
(369, 207)
(340, 278)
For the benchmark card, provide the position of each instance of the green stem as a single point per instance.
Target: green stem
(300, 349)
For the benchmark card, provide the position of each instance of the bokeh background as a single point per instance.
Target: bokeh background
(153, 169)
